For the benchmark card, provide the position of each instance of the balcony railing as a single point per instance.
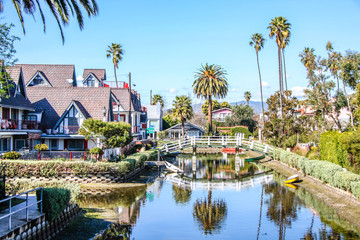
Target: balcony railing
(65, 130)
(18, 124)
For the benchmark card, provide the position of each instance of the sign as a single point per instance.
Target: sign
(151, 126)
(150, 131)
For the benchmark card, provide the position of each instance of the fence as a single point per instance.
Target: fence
(26, 208)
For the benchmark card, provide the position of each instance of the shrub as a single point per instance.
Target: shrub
(11, 155)
(55, 200)
(291, 141)
(41, 147)
(244, 130)
(162, 134)
(97, 151)
(355, 189)
(343, 180)
(2, 189)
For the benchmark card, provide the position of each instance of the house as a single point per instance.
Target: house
(154, 121)
(19, 125)
(191, 130)
(65, 109)
(220, 114)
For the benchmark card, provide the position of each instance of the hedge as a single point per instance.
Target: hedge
(341, 148)
(55, 200)
(327, 172)
(137, 159)
(21, 168)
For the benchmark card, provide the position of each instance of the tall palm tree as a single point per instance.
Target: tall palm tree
(257, 40)
(210, 81)
(182, 110)
(115, 51)
(62, 10)
(247, 96)
(280, 29)
(285, 43)
(157, 98)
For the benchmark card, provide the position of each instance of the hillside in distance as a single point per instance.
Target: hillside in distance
(256, 105)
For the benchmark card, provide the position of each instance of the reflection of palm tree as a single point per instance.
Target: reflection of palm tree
(261, 204)
(181, 195)
(210, 213)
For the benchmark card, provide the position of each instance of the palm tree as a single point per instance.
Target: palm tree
(257, 40)
(115, 51)
(280, 28)
(182, 110)
(157, 98)
(210, 81)
(60, 9)
(285, 43)
(247, 96)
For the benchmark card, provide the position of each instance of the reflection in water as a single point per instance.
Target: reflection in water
(209, 214)
(181, 195)
(227, 210)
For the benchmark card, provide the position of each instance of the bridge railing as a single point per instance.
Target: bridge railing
(212, 141)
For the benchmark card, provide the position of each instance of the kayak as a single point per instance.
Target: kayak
(292, 179)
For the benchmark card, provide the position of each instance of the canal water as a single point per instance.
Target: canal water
(217, 197)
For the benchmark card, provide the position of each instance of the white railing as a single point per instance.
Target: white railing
(112, 152)
(212, 141)
(26, 208)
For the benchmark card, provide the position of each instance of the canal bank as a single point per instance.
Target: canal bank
(344, 203)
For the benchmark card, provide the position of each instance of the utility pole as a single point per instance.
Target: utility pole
(150, 97)
(130, 101)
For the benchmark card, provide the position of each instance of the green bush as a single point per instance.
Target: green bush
(137, 159)
(162, 134)
(343, 180)
(20, 168)
(97, 151)
(291, 141)
(11, 155)
(244, 130)
(55, 200)
(41, 147)
(355, 189)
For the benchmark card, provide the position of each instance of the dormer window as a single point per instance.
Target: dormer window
(90, 81)
(38, 79)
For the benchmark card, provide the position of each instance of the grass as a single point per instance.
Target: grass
(14, 202)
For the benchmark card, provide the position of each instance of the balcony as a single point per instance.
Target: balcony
(65, 130)
(18, 124)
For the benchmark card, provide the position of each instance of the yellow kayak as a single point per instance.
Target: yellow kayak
(291, 186)
(292, 179)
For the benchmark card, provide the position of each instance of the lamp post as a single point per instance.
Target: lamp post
(104, 112)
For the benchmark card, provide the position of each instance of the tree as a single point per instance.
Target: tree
(61, 10)
(182, 110)
(224, 105)
(210, 81)
(157, 98)
(241, 115)
(280, 29)
(318, 93)
(247, 96)
(214, 106)
(114, 134)
(169, 121)
(115, 52)
(257, 40)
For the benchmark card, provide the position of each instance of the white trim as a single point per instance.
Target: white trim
(42, 76)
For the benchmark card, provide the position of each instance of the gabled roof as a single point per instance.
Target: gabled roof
(57, 75)
(187, 126)
(221, 109)
(14, 98)
(122, 94)
(78, 106)
(55, 101)
(100, 74)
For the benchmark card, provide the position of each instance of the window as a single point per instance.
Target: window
(5, 144)
(14, 114)
(76, 144)
(31, 118)
(5, 113)
(53, 144)
(37, 80)
(19, 144)
(90, 81)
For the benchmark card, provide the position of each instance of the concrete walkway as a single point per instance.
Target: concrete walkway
(18, 219)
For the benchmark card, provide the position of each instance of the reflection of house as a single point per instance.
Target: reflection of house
(220, 114)
(19, 125)
(191, 130)
(154, 119)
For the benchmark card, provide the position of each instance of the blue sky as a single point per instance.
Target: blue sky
(165, 42)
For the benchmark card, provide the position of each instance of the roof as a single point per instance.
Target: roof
(57, 75)
(14, 98)
(100, 74)
(122, 94)
(55, 101)
(188, 127)
(221, 109)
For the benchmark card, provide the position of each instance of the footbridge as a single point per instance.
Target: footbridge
(237, 141)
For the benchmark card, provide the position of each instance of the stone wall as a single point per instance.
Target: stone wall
(40, 229)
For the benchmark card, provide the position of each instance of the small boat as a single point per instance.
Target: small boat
(231, 150)
(292, 179)
(172, 167)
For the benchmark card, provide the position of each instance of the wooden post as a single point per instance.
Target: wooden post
(84, 156)
(252, 145)
(209, 143)
(180, 144)
(158, 155)
(266, 148)
(39, 155)
(70, 156)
